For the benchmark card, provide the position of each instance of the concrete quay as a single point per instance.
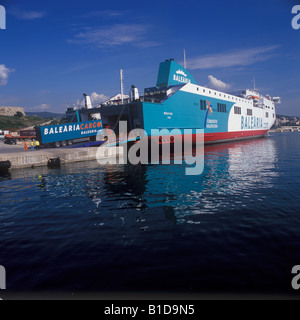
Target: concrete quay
(29, 159)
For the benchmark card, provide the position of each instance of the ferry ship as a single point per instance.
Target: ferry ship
(178, 102)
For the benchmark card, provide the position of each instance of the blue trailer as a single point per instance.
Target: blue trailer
(68, 133)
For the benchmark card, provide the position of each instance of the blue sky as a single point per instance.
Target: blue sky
(54, 51)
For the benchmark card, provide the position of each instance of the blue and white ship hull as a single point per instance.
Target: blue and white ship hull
(177, 102)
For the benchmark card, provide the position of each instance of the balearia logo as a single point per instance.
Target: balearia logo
(251, 123)
(181, 72)
(2, 18)
(180, 76)
(296, 19)
(2, 278)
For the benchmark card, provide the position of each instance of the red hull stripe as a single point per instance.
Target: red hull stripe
(232, 135)
(221, 136)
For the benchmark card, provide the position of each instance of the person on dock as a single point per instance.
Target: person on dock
(32, 145)
(37, 145)
(25, 146)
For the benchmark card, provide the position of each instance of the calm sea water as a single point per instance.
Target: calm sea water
(122, 228)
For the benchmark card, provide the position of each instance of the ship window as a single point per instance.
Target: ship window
(267, 114)
(202, 104)
(237, 110)
(221, 107)
(203, 90)
(249, 112)
(273, 115)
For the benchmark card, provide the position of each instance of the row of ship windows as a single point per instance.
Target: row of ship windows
(238, 110)
(237, 99)
(222, 108)
(228, 97)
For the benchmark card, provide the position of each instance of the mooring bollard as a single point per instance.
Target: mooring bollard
(4, 166)
(54, 163)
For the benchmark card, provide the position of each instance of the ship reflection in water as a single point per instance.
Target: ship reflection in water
(233, 174)
(234, 177)
(151, 227)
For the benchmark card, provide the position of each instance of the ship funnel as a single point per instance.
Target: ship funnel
(173, 74)
(88, 102)
(134, 93)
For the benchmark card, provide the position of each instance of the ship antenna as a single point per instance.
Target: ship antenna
(122, 85)
(184, 59)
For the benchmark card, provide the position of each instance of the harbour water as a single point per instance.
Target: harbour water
(151, 228)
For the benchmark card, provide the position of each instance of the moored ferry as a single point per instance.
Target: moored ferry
(178, 102)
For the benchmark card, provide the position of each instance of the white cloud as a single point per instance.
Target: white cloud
(115, 35)
(235, 58)
(4, 72)
(96, 99)
(41, 107)
(28, 15)
(105, 14)
(217, 84)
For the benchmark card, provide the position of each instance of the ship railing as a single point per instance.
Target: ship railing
(128, 100)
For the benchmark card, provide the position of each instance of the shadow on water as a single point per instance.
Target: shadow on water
(5, 175)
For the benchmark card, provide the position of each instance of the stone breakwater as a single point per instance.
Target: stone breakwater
(40, 158)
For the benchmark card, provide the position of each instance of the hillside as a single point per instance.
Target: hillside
(14, 123)
(46, 115)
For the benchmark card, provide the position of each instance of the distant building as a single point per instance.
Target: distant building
(11, 111)
(284, 120)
